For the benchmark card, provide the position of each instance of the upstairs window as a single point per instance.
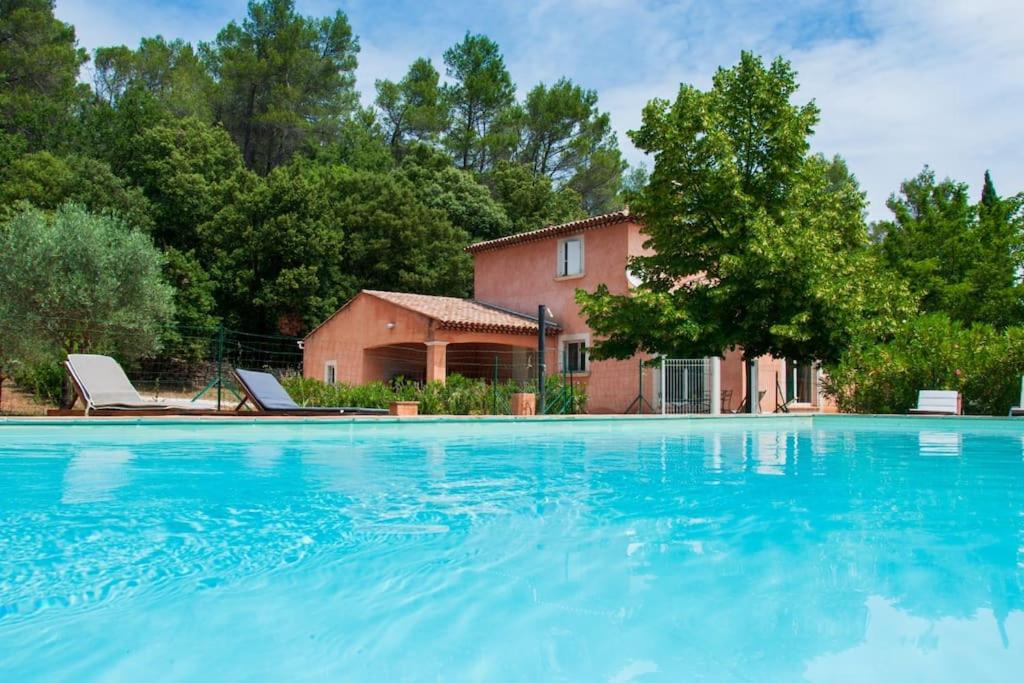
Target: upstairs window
(570, 257)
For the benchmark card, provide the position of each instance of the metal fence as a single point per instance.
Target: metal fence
(686, 385)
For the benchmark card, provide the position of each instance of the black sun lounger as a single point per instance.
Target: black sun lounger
(267, 395)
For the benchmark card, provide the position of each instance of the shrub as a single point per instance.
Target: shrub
(457, 396)
(932, 352)
(44, 379)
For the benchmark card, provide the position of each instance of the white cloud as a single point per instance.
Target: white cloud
(932, 83)
(938, 85)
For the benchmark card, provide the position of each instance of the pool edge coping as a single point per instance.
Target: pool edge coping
(211, 420)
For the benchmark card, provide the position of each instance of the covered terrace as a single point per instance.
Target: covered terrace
(383, 335)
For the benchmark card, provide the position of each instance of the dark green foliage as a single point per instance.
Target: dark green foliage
(563, 136)
(359, 144)
(414, 108)
(43, 379)
(169, 71)
(529, 200)
(382, 216)
(294, 247)
(933, 352)
(284, 82)
(109, 131)
(195, 320)
(999, 259)
(989, 199)
(39, 61)
(189, 170)
(480, 93)
(467, 204)
(961, 259)
(47, 181)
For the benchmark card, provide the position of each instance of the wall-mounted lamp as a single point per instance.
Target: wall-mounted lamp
(391, 326)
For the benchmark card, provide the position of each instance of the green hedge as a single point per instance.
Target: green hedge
(43, 379)
(932, 352)
(457, 396)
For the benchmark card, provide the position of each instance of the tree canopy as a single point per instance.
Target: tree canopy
(759, 244)
(481, 92)
(185, 141)
(298, 244)
(961, 259)
(39, 61)
(414, 108)
(283, 81)
(78, 282)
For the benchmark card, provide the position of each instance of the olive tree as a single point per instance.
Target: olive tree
(73, 282)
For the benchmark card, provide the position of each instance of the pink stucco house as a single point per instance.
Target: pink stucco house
(380, 335)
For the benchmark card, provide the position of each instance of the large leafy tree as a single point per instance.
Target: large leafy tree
(283, 81)
(78, 282)
(996, 275)
(961, 259)
(758, 244)
(188, 170)
(195, 307)
(39, 62)
(480, 94)
(46, 181)
(413, 108)
(360, 143)
(929, 239)
(465, 201)
(137, 90)
(299, 243)
(108, 130)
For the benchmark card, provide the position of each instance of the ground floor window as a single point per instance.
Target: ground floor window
(574, 355)
(805, 382)
(330, 372)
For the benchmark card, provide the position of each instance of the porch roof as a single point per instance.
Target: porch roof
(453, 313)
(463, 314)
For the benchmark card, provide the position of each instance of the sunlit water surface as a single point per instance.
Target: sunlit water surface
(843, 550)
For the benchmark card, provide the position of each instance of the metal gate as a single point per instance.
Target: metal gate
(686, 385)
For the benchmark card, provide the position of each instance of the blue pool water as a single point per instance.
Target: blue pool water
(838, 549)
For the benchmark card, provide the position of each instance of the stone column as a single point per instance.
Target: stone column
(437, 360)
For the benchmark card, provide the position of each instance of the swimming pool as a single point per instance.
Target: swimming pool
(824, 548)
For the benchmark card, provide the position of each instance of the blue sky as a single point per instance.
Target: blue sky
(900, 84)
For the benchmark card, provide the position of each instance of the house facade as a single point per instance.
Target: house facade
(381, 335)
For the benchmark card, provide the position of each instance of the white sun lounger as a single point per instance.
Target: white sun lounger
(931, 402)
(102, 385)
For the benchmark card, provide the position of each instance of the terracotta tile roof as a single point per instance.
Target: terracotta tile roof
(463, 314)
(554, 231)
